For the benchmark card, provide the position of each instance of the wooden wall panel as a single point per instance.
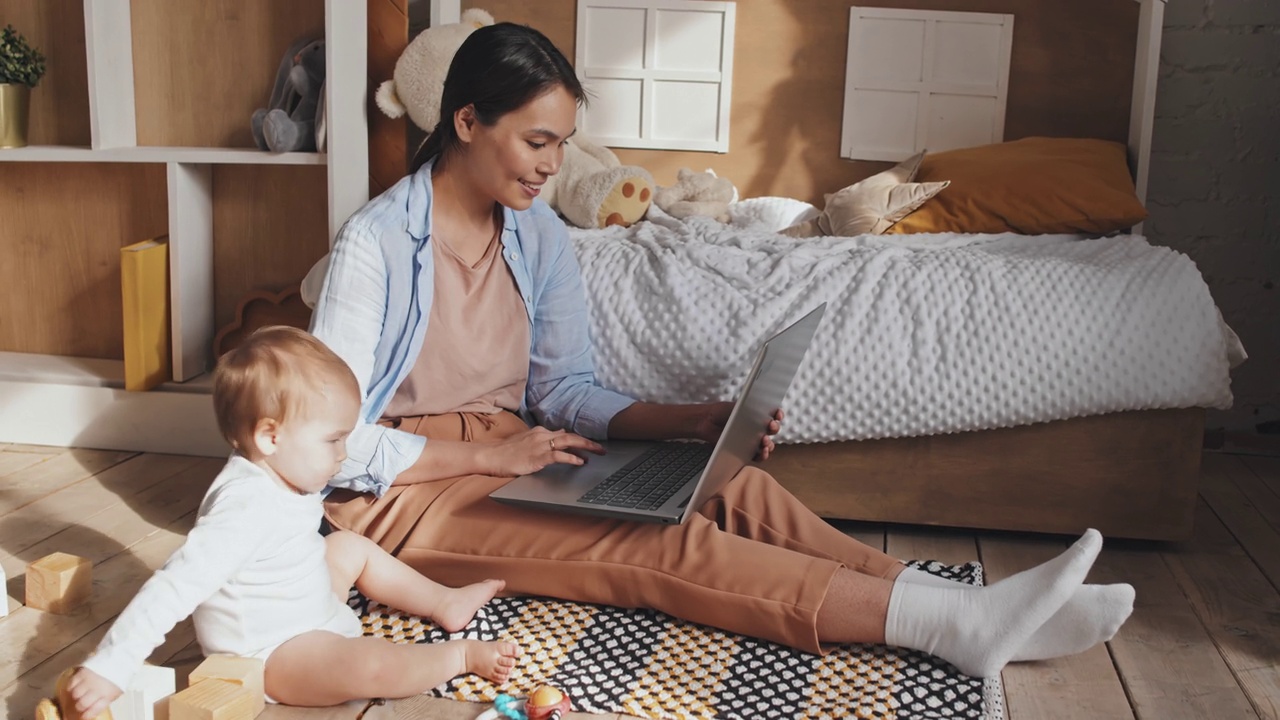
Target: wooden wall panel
(1072, 72)
(200, 69)
(388, 36)
(60, 103)
(269, 228)
(63, 227)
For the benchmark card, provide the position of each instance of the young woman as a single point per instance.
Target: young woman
(456, 298)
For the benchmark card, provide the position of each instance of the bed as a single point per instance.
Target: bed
(1045, 383)
(1123, 458)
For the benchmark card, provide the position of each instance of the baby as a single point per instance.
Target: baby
(258, 578)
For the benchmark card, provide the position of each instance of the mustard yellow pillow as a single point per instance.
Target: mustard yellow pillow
(1029, 186)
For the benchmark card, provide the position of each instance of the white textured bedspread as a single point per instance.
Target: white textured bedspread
(923, 334)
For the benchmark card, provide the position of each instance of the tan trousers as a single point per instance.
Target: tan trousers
(753, 561)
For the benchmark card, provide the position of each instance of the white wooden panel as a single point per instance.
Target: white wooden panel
(686, 111)
(615, 38)
(899, 45)
(345, 49)
(191, 268)
(957, 121)
(1142, 107)
(108, 35)
(445, 12)
(110, 418)
(923, 79)
(884, 122)
(966, 53)
(661, 72)
(688, 40)
(615, 109)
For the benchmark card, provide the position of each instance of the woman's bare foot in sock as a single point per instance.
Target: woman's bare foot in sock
(459, 605)
(493, 661)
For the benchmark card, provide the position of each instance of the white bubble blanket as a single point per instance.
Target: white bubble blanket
(923, 334)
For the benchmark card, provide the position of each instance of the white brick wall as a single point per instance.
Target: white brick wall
(1215, 176)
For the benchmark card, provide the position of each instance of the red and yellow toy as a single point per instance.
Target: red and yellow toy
(546, 703)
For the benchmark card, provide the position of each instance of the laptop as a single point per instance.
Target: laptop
(668, 481)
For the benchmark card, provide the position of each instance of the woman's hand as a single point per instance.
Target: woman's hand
(716, 416)
(536, 448)
(91, 692)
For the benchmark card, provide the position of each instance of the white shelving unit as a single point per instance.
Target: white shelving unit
(55, 400)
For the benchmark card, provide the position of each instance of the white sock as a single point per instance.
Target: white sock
(1092, 615)
(980, 629)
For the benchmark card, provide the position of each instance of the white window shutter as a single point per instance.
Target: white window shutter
(918, 79)
(659, 72)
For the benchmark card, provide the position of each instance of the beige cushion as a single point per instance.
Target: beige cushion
(872, 205)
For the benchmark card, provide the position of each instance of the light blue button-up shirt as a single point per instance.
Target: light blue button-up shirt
(375, 302)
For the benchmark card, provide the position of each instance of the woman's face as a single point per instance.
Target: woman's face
(513, 158)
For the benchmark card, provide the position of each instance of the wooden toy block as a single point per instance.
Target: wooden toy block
(149, 686)
(245, 672)
(214, 700)
(59, 583)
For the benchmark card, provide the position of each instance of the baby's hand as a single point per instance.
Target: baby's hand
(91, 694)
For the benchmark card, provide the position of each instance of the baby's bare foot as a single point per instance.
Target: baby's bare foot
(493, 661)
(459, 605)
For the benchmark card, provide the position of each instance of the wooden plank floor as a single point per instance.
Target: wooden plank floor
(1204, 640)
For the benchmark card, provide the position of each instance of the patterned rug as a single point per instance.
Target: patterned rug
(651, 665)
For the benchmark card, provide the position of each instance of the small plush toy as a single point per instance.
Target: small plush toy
(593, 189)
(63, 707)
(289, 122)
(696, 194)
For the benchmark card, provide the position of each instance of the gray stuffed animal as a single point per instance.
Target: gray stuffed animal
(290, 122)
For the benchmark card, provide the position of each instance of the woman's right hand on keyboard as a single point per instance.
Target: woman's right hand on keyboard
(536, 448)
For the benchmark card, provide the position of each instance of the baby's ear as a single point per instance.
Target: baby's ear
(264, 436)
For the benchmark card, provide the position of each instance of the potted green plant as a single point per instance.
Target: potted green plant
(21, 67)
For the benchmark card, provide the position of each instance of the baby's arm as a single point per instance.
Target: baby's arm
(224, 537)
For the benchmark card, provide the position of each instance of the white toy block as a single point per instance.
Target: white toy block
(245, 672)
(213, 700)
(149, 686)
(59, 583)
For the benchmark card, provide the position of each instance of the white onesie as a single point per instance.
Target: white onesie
(252, 574)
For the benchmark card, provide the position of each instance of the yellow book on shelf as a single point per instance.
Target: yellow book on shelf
(144, 275)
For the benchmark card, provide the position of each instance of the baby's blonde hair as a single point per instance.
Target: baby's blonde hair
(277, 373)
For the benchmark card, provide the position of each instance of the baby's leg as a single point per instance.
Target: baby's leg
(356, 560)
(321, 668)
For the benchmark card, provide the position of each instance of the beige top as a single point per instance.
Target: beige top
(475, 355)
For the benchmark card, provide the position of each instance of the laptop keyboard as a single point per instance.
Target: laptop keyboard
(652, 478)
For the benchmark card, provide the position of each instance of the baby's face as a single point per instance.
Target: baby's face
(310, 449)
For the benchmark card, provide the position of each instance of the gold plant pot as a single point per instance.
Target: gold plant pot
(14, 101)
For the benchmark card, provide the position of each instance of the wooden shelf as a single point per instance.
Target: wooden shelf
(155, 154)
(141, 129)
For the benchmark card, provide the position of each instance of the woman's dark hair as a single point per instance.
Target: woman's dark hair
(497, 69)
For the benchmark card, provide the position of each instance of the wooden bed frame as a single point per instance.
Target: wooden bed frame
(1129, 474)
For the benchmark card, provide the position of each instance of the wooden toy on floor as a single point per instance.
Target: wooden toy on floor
(215, 699)
(59, 583)
(245, 672)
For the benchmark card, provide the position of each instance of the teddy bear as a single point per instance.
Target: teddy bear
(593, 188)
(697, 193)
